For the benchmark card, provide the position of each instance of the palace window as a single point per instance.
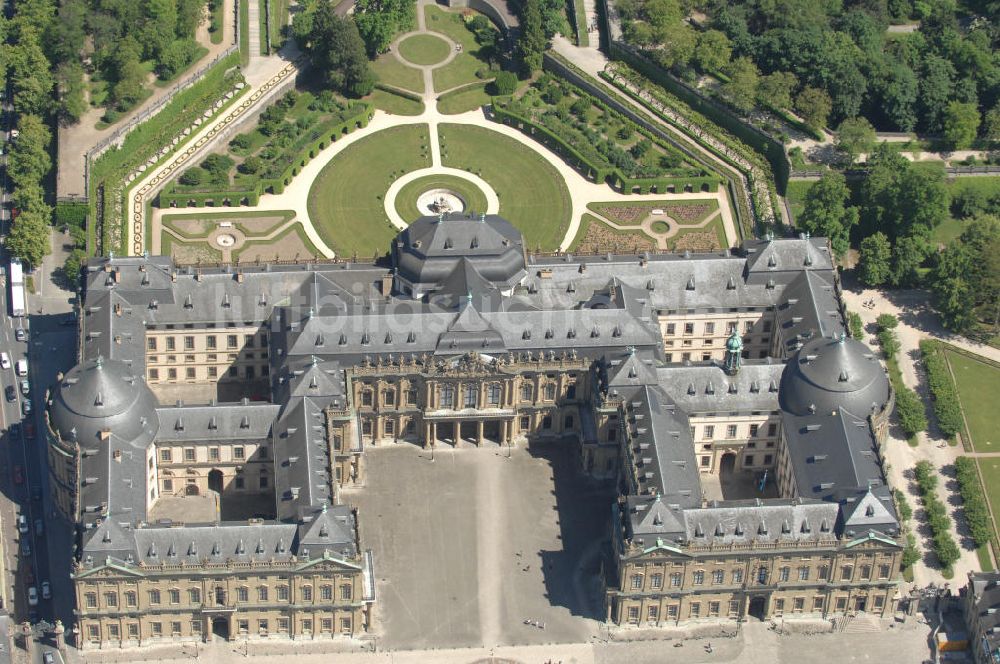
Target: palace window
(346, 592)
(709, 432)
(111, 599)
(239, 452)
(718, 576)
(762, 575)
(113, 631)
(171, 343)
(242, 594)
(389, 398)
(772, 429)
(737, 576)
(151, 343)
(672, 612)
(688, 328)
(695, 609)
(709, 328)
(326, 625)
(636, 581)
(526, 392)
(326, 593)
(411, 397)
(817, 604)
(194, 595)
(471, 396)
(196, 626)
(175, 596)
(550, 391)
(753, 430)
(798, 604)
(133, 630)
(823, 572)
(656, 581)
(154, 597)
(307, 593)
(188, 343)
(783, 574)
(803, 573)
(94, 632)
(653, 613)
(671, 328)
(675, 580)
(866, 572)
(131, 599)
(261, 593)
(779, 606)
(262, 626)
(731, 431)
(846, 572)
(883, 571)
(525, 422)
(282, 593)
(713, 609)
(633, 614)
(210, 342)
(447, 396)
(166, 455)
(493, 394)
(231, 341)
(698, 578)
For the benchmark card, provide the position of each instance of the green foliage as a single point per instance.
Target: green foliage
(910, 410)
(977, 512)
(947, 407)
(29, 160)
(875, 254)
(712, 51)
(533, 40)
(336, 49)
(505, 83)
(240, 143)
(775, 89)
(911, 554)
(966, 277)
(961, 122)
(29, 238)
(854, 136)
(814, 105)
(886, 322)
(855, 325)
(741, 88)
(379, 21)
(890, 344)
(73, 264)
(827, 214)
(902, 506)
(193, 176)
(71, 214)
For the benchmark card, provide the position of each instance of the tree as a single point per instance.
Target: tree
(336, 49)
(712, 51)
(899, 97)
(814, 106)
(189, 15)
(961, 122)
(175, 57)
(73, 264)
(910, 410)
(251, 165)
(966, 277)
(532, 42)
(776, 89)
(71, 91)
(826, 212)
(991, 124)
(29, 159)
(160, 28)
(935, 91)
(741, 88)
(29, 75)
(854, 136)
(908, 254)
(876, 253)
(192, 176)
(29, 238)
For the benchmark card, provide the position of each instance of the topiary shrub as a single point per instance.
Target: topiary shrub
(251, 165)
(240, 143)
(977, 513)
(947, 407)
(910, 410)
(505, 83)
(856, 326)
(886, 322)
(193, 176)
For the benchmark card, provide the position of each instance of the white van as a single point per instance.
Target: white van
(21, 367)
(4, 361)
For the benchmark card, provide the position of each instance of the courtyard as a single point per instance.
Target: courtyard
(469, 545)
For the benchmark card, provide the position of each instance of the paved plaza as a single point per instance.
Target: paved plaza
(471, 544)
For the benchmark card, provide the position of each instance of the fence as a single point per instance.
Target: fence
(861, 171)
(118, 137)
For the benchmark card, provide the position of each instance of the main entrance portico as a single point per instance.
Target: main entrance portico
(476, 427)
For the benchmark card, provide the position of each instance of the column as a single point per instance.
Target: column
(433, 433)
(479, 433)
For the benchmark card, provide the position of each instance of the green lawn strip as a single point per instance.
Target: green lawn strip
(406, 199)
(985, 562)
(603, 209)
(295, 228)
(582, 36)
(460, 71)
(346, 200)
(466, 99)
(989, 470)
(262, 19)
(978, 384)
(218, 19)
(245, 31)
(589, 219)
(207, 253)
(278, 20)
(396, 104)
(393, 72)
(795, 193)
(532, 193)
(424, 49)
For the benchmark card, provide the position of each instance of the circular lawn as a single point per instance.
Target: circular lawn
(406, 199)
(424, 49)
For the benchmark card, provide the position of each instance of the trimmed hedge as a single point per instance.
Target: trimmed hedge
(976, 511)
(599, 173)
(947, 407)
(856, 326)
(171, 197)
(910, 410)
(71, 213)
(945, 549)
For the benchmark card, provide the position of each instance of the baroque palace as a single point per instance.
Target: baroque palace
(201, 444)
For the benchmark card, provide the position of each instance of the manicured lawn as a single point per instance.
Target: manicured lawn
(532, 194)
(393, 72)
(978, 384)
(463, 68)
(346, 199)
(406, 199)
(469, 99)
(396, 104)
(990, 470)
(424, 49)
(796, 195)
(245, 31)
(278, 21)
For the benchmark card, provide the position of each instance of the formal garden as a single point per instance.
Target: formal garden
(289, 131)
(624, 226)
(348, 211)
(235, 236)
(533, 195)
(478, 57)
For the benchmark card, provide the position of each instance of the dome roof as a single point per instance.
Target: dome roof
(734, 342)
(828, 374)
(102, 394)
(429, 249)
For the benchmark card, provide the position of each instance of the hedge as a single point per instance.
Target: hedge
(599, 173)
(976, 511)
(910, 410)
(856, 326)
(937, 515)
(947, 407)
(71, 213)
(170, 197)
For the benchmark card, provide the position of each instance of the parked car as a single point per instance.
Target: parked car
(32, 596)
(39, 528)
(20, 334)
(10, 392)
(21, 366)
(46, 590)
(22, 524)
(18, 475)
(25, 547)
(29, 574)
(4, 361)
(26, 407)
(25, 387)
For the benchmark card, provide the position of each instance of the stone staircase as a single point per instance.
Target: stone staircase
(858, 623)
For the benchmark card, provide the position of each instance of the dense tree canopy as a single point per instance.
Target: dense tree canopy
(378, 21)
(826, 212)
(335, 48)
(966, 277)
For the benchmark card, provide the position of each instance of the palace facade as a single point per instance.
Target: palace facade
(201, 443)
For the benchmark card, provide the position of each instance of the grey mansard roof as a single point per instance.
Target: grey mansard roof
(827, 374)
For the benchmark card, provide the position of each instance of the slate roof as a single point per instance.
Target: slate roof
(707, 388)
(827, 374)
(984, 588)
(247, 420)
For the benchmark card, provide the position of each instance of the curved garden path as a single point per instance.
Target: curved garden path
(581, 191)
(492, 200)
